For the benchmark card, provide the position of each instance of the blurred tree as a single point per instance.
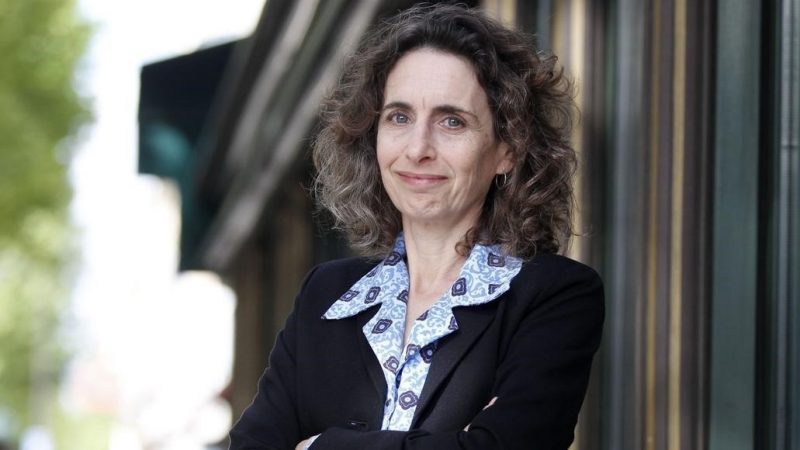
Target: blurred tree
(41, 43)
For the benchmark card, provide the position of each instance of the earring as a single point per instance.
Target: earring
(503, 184)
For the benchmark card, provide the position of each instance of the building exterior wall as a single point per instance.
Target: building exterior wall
(687, 204)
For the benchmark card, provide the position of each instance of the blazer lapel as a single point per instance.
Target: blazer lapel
(472, 322)
(370, 361)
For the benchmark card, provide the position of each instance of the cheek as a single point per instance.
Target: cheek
(385, 150)
(380, 149)
(485, 161)
(382, 157)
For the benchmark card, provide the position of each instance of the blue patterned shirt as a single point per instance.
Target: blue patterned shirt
(486, 275)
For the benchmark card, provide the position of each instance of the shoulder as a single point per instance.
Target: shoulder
(341, 269)
(555, 269)
(327, 282)
(550, 279)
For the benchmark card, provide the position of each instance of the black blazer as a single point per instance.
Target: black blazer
(531, 348)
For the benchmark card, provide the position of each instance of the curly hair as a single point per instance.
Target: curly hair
(531, 104)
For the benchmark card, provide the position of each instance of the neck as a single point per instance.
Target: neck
(433, 264)
(432, 260)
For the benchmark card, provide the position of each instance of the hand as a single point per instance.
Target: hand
(491, 402)
(303, 443)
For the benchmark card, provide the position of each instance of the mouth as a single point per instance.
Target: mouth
(420, 179)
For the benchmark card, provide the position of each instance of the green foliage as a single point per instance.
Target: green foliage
(41, 43)
(32, 294)
(81, 432)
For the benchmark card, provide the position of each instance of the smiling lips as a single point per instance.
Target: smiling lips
(420, 179)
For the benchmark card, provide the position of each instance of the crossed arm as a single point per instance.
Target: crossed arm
(539, 385)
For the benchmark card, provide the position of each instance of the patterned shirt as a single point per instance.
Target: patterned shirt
(486, 275)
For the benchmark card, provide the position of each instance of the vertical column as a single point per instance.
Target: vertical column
(250, 354)
(293, 247)
(688, 412)
(736, 145)
(657, 225)
(788, 244)
(625, 260)
(779, 425)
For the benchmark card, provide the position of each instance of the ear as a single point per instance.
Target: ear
(505, 158)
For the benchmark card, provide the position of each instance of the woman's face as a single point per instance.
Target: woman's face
(436, 146)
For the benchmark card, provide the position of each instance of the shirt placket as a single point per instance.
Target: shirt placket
(403, 397)
(396, 310)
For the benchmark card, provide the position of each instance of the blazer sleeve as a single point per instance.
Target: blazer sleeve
(540, 384)
(271, 420)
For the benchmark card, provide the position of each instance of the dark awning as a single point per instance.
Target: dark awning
(176, 98)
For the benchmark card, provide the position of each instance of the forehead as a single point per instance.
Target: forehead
(429, 77)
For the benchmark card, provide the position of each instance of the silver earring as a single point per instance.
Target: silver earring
(503, 184)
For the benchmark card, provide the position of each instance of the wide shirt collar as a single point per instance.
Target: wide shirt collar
(485, 275)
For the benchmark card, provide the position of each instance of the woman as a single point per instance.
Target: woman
(444, 153)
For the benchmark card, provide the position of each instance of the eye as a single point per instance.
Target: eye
(398, 118)
(453, 122)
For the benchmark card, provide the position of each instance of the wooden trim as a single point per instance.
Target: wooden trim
(503, 10)
(677, 241)
(577, 55)
(651, 282)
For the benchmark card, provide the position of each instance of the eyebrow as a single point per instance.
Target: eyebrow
(447, 109)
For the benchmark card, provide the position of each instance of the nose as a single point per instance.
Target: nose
(420, 145)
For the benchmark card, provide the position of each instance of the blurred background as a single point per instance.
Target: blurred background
(155, 221)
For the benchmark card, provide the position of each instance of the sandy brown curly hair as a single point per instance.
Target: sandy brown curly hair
(531, 102)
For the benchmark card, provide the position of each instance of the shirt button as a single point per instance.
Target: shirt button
(388, 402)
